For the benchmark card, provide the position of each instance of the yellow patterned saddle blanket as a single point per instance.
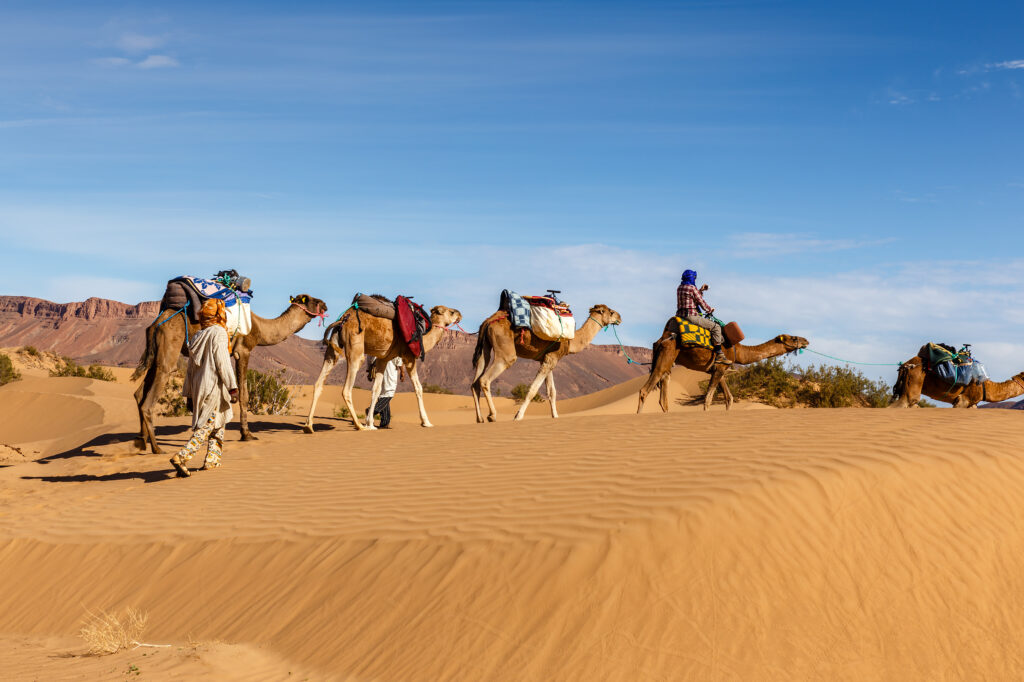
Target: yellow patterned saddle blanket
(692, 335)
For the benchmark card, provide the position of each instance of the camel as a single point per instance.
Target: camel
(912, 381)
(497, 349)
(369, 335)
(668, 353)
(165, 340)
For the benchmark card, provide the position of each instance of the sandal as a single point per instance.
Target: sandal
(180, 469)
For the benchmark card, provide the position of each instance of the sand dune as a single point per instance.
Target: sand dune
(772, 544)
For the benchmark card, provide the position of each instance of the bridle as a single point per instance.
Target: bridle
(306, 310)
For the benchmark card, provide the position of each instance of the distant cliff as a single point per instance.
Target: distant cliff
(113, 333)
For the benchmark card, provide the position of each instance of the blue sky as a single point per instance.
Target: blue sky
(851, 172)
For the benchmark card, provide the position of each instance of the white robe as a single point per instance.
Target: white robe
(210, 377)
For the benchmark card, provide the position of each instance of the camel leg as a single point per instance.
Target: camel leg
(663, 387)
(481, 366)
(243, 394)
(546, 366)
(727, 392)
(375, 391)
(354, 358)
(329, 359)
(169, 339)
(410, 367)
(716, 378)
(551, 394)
(492, 372)
(661, 372)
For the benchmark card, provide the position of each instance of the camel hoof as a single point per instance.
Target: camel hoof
(308, 428)
(428, 425)
(248, 436)
(139, 444)
(492, 418)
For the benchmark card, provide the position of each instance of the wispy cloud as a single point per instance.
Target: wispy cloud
(1012, 64)
(136, 42)
(157, 61)
(769, 244)
(112, 61)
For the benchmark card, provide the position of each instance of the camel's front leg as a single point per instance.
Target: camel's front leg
(546, 366)
(716, 379)
(375, 391)
(329, 359)
(354, 360)
(728, 393)
(551, 394)
(475, 387)
(410, 367)
(663, 391)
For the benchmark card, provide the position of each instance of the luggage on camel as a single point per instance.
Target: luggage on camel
(550, 319)
(733, 334)
(692, 335)
(517, 309)
(375, 305)
(413, 322)
(191, 292)
(959, 368)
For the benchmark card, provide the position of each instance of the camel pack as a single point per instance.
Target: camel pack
(189, 293)
(550, 319)
(413, 323)
(959, 368)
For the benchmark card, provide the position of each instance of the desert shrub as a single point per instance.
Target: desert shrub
(31, 351)
(66, 367)
(7, 371)
(519, 394)
(924, 402)
(267, 393)
(773, 383)
(343, 413)
(107, 633)
(172, 403)
(435, 388)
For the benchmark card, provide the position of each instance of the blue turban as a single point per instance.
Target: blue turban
(690, 277)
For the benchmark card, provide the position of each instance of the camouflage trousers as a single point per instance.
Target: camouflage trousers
(214, 439)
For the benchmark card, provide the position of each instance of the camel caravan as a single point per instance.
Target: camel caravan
(540, 328)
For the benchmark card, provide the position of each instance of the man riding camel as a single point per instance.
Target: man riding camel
(690, 302)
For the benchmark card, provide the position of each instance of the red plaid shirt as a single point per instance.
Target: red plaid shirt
(689, 300)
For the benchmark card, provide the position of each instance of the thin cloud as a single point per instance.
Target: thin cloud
(158, 61)
(112, 61)
(137, 42)
(1012, 64)
(769, 244)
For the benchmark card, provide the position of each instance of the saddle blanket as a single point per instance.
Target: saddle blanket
(236, 303)
(692, 335)
(517, 308)
(550, 320)
(413, 322)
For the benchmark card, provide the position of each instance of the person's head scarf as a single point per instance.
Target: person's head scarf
(690, 277)
(213, 312)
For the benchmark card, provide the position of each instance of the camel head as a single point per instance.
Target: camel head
(313, 306)
(604, 315)
(439, 315)
(791, 343)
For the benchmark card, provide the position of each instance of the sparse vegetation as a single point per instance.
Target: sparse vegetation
(66, 367)
(172, 403)
(7, 371)
(343, 413)
(31, 351)
(435, 388)
(924, 402)
(267, 393)
(519, 394)
(773, 383)
(107, 633)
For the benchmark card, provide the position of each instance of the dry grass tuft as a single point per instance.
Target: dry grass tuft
(107, 633)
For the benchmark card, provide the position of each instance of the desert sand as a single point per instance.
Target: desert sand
(755, 544)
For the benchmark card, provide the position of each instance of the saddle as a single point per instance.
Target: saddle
(412, 322)
(195, 291)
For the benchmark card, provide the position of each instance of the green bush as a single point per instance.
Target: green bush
(30, 350)
(520, 391)
(66, 367)
(771, 382)
(7, 371)
(172, 402)
(267, 393)
(343, 413)
(434, 388)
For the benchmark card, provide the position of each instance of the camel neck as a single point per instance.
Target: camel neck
(746, 355)
(431, 338)
(1004, 390)
(584, 335)
(276, 330)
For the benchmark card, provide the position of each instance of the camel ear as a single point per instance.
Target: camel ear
(291, 299)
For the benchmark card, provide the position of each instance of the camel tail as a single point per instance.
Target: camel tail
(332, 336)
(148, 355)
(901, 383)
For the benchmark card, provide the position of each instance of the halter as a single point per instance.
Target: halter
(311, 314)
